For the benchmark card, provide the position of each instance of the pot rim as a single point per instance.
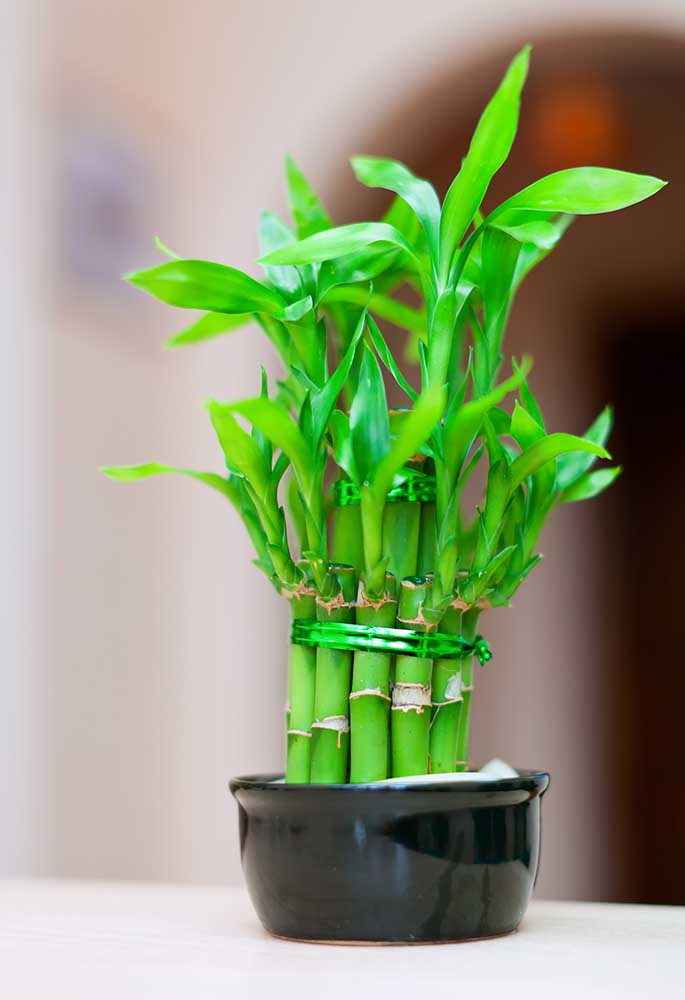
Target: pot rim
(525, 780)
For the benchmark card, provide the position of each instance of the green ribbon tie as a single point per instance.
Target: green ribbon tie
(416, 487)
(408, 642)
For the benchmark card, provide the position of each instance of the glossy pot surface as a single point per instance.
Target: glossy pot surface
(395, 863)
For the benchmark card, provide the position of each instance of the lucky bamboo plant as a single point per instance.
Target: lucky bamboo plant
(356, 511)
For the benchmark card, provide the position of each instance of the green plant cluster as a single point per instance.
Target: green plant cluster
(325, 293)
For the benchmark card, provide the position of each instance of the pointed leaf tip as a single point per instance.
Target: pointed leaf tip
(521, 60)
(163, 248)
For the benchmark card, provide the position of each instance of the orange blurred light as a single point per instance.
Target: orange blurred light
(576, 122)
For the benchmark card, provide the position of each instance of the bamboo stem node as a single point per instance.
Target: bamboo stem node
(408, 696)
(339, 724)
(418, 622)
(454, 688)
(369, 693)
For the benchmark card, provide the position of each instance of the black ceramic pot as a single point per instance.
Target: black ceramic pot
(394, 863)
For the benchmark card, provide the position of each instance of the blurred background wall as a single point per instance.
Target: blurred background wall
(143, 659)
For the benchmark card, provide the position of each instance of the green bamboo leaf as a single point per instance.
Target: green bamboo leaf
(304, 380)
(545, 450)
(446, 531)
(417, 426)
(281, 466)
(501, 421)
(131, 473)
(369, 423)
(263, 442)
(571, 467)
(354, 268)
(202, 284)
(277, 333)
(342, 445)
(165, 249)
(207, 327)
(297, 512)
(441, 335)
(276, 423)
(297, 310)
(584, 191)
(473, 263)
(375, 172)
(274, 234)
(532, 255)
(511, 583)
(591, 484)
(304, 418)
(543, 235)
(468, 471)
(497, 450)
(397, 313)
(458, 386)
(383, 306)
(385, 354)
(307, 340)
(500, 253)
(358, 236)
(498, 561)
(530, 402)
(463, 423)
(308, 213)
(525, 430)
(489, 149)
(258, 537)
(481, 363)
(498, 492)
(403, 217)
(242, 453)
(422, 348)
(324, 400)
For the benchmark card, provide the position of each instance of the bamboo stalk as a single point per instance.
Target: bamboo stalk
(370, 695)
(301, 688)
(411, 696)
(425, 562)
(469, 624)
(447, 699)
(347, 548)
(331, 728)
(401, 523)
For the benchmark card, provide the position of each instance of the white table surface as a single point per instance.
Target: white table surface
(105, 940)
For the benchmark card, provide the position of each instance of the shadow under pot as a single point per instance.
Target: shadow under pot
(390, 863)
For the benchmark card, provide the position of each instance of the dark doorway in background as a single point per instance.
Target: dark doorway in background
(645, 368)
